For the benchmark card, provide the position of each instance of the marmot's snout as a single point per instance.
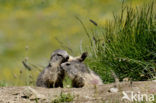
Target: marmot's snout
(65, 59)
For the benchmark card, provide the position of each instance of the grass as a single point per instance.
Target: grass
(3, 84)
(63, 98)
(35, 29)
(126, 45)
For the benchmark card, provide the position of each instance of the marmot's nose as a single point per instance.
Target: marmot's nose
(67, 58)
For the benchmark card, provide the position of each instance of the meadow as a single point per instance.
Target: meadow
(123, 40)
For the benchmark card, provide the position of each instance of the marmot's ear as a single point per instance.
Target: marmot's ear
(83, 56)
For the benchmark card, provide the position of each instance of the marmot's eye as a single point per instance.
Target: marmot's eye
(68, 64)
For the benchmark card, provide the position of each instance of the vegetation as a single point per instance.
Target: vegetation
(3, 84)
(30, 30)
(126, 45)
(63, 98)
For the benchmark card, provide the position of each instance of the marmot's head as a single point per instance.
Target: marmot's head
(74, 66)
(59, 56)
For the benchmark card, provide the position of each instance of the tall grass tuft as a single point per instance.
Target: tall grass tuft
(126, 45)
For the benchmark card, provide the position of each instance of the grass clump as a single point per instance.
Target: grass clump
(63, 98)
(3, 84)
(126, 45)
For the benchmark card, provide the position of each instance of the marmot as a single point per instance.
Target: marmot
(52, 76)
(80, 74)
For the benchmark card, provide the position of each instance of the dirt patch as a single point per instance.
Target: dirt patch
(94, 94)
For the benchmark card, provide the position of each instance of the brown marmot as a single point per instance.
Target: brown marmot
(79, 73)
(52, 76)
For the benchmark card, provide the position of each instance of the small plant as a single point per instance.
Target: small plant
(63, 98)
(3, 84)
(67, 82)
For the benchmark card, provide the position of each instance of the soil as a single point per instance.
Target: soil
(95, 94)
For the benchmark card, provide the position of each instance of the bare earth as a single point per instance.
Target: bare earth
(94, 94)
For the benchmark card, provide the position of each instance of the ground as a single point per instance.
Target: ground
(99, 94)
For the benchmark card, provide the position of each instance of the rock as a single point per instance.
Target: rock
(32, 94)
(154, 80)
(113, 90)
